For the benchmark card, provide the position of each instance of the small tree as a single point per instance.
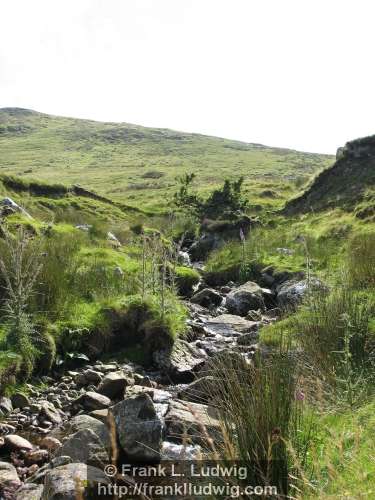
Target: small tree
(224, 202)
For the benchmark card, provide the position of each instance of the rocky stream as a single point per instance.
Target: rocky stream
(78, 421)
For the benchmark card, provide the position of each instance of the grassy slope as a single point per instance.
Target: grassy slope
(113, 159)
(349, 184)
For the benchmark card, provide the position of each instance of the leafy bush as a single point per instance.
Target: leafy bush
(224, 202)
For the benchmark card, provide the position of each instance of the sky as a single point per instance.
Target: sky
(288, 73)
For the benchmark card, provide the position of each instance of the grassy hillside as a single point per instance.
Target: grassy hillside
(349, 184)
(138, 165)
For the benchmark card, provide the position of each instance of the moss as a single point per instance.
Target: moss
(186, 279)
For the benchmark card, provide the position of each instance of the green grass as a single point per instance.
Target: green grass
(116, 159)
(344, 456)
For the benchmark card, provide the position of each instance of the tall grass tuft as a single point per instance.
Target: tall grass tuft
(262, 411)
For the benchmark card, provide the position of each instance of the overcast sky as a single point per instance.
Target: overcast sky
(293, 73)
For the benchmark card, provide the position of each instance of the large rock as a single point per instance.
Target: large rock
(291, 293)
(244, 298)
(180, 362)
(139, 428)
(19, 400)
(198, 391)
(85, 446)
(9, 479)
(82, 422)
(192, 421)
(93, 401)
(73, 481)
(113, 385)
(17, 443)
(207, 298)
(30, 491)
(50, 413)
(230, 325)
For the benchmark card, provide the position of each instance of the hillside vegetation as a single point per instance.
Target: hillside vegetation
(139, 165)
(349, 184)
(223, 301)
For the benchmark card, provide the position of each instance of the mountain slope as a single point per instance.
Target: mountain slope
(349, 184)
(139, 165)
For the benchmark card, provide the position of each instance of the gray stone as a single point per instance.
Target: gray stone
(230, 325)
(17, 443)
(192, 421)
(198, 391)
(49, 413)
(73, 481)
(93, 401)
(291, 293)
(180, 362)
(30, 491)
(81, 422)
(113, 385)
(85, 446)
(244, 298)
(139, 428)
(207, 298)
(19, 400)
(8, 477)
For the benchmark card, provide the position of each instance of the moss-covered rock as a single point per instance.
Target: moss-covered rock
(186, 279)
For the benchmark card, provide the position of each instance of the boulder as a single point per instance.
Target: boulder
(81, 422)
(8, 477)
(36, 457)
(244, 298)
(17, 443)
(85, 446)
(75, 480)
(19, 400)
(198, 391)
(48, 412)
(207, 298)
(192, 421)
(180, 362)
(93, 401)
(291, 293)
(230, 325)
(139, 428)
(113, 385)
(30, 491)
(50, 443)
